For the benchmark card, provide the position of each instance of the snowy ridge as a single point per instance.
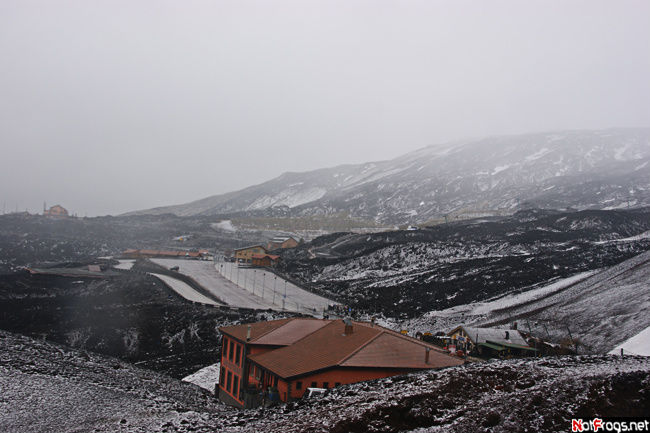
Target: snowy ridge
(580, 169)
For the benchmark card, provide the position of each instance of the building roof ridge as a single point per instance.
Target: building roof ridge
(361, 346)
(408, 338)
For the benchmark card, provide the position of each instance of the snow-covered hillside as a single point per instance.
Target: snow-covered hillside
(411, 272)
(601, 310)
(605, 169)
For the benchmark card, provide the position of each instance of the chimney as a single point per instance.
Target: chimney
(348, 327)
(426, 355)
(507, 335)
(372, 322)
(514, 326)
(248, 333)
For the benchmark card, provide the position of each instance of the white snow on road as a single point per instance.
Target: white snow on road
(125, 264)
(644, 235)
(482, 308)
(249, 288)
(185, 290)
(274, 289)
(204, 273)
(637, 345)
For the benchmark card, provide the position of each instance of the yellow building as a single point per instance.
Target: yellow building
(245, 255)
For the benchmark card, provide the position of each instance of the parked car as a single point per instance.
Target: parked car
(314, 392)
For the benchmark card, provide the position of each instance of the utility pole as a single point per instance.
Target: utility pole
(575, 345)
(546, 329)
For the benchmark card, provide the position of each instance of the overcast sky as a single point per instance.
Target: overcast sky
(110, 106)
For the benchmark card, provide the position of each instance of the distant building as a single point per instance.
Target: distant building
(264, 260)
(490, 341)
(56, 211)
(282, 242)
(245, 254)
(278, 360)
(137, 254)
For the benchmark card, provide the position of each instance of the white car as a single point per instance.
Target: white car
(314, 392)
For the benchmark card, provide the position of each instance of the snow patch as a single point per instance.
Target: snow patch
(637, 345)
(124, 264)
(541, 152)
(500, 168)
(225, 225)
(206, 377)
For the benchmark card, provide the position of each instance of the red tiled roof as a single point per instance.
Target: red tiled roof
(291, 332)
(258, 329)
(261, 256)
(251, 246)
(276, 332)
(393, 351)
(366, 346)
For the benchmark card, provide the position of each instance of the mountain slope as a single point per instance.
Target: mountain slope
(581, 169)
(406, 273)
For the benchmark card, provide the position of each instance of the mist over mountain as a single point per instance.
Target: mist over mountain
(603, 169)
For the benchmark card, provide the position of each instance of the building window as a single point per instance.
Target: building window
(299, 385)
(229, 383)
(314, 385)
(326, 385)
(235, 386)
(238, 355)
(231, 351)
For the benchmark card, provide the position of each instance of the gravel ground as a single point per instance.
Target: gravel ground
(49, 388)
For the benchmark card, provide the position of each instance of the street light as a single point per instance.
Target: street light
(263, 280)
(274, 280)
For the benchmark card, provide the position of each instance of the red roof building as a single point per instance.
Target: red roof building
(264, 260)
(280, 359)
(56, 211)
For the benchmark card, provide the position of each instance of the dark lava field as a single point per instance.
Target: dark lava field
(407, 273)
(131, 316)
(27, 239)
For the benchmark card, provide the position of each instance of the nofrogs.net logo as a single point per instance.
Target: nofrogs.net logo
(578, 425)
(617, 425)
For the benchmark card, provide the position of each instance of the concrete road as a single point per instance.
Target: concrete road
(204, 273)
(185, 290)
(249, 288)
(274, 289)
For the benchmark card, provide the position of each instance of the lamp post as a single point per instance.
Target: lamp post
(285, 294)
(275, 279)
